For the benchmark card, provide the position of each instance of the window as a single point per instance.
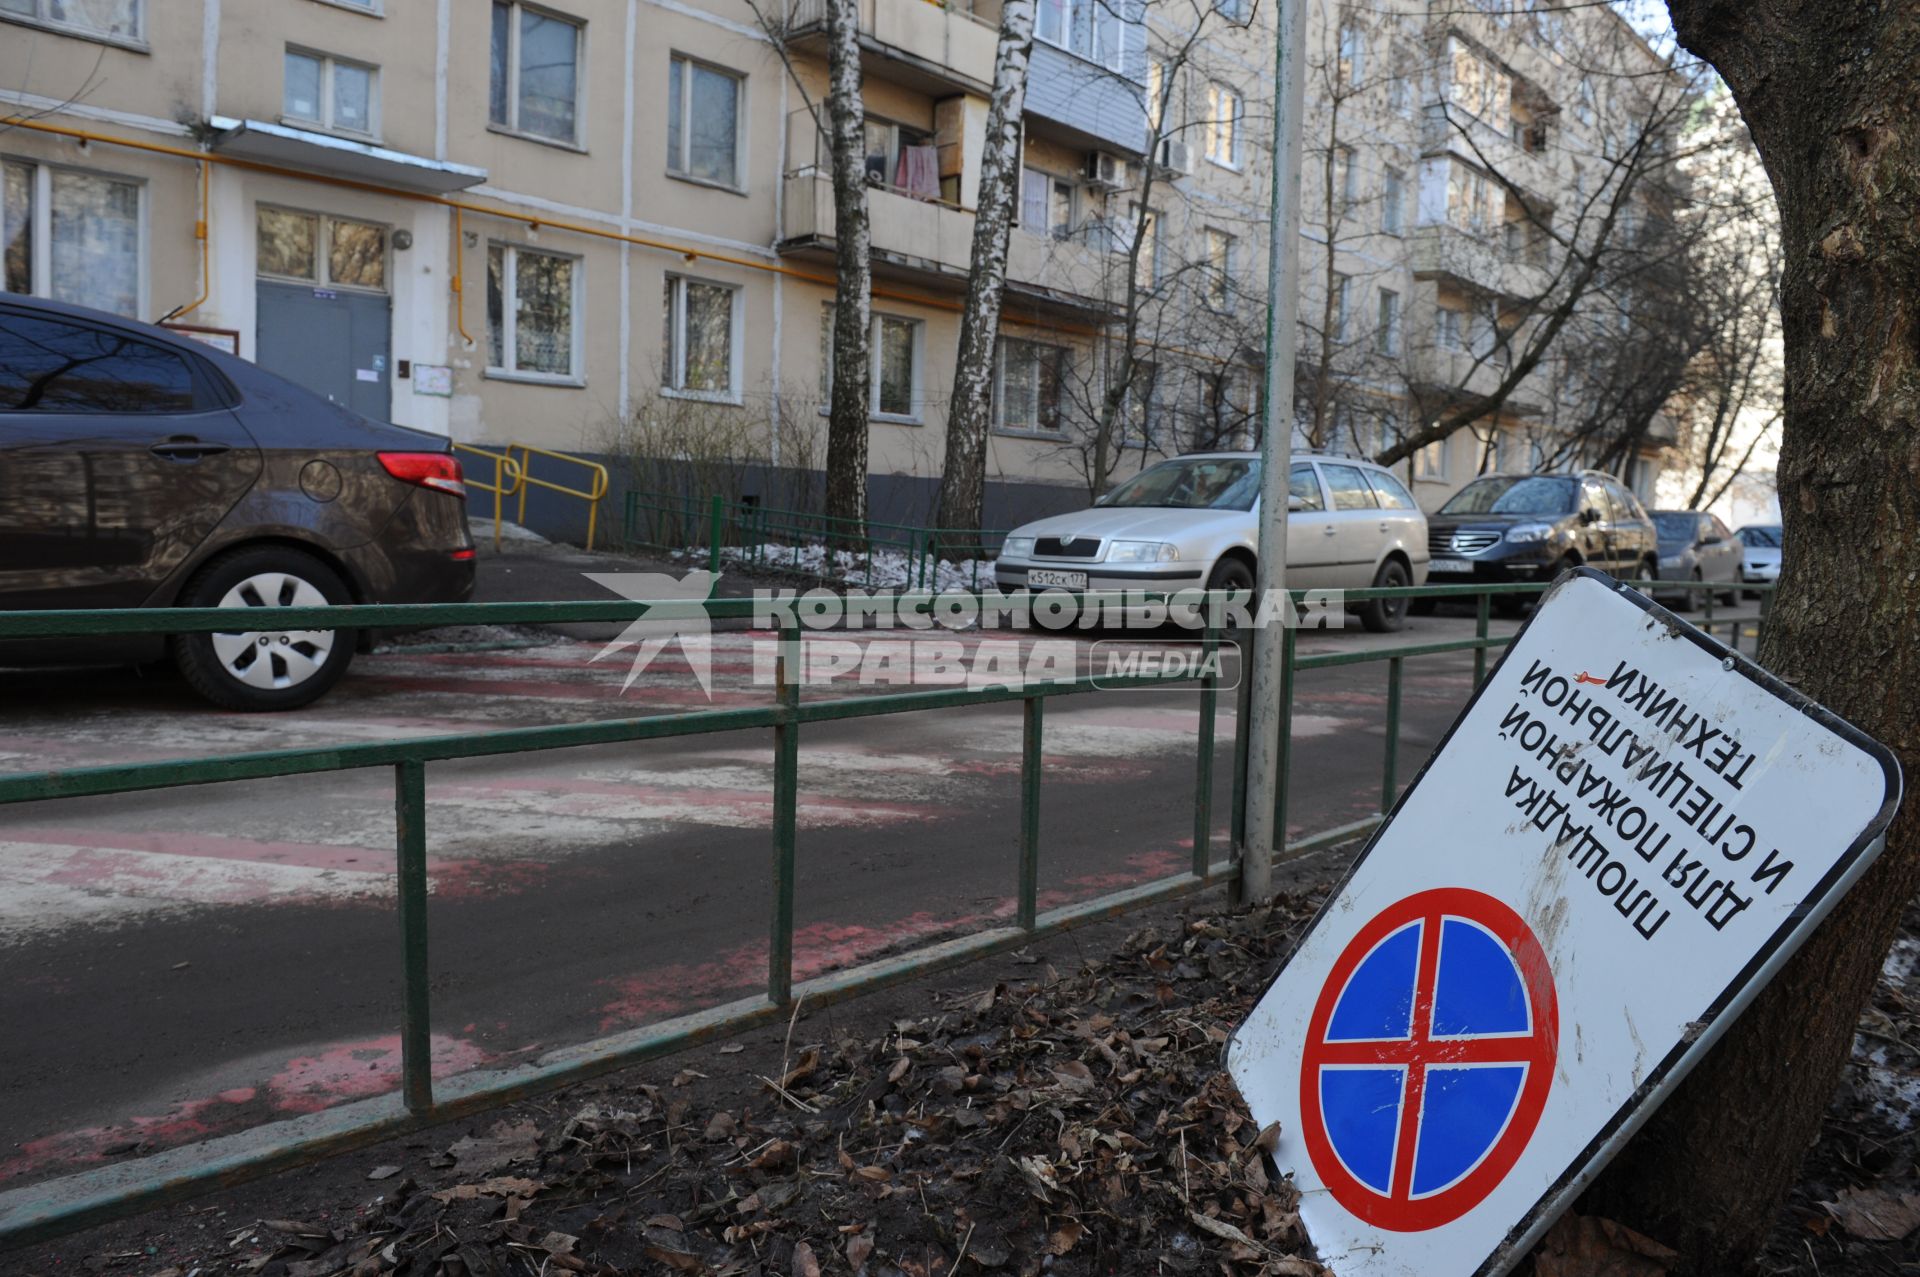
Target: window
(1353, 54)
(1224, 109)
(1473, 202)
(1348, 487)
(1046, 204)
(1302, 484)
(1140, 422)
(698, 352)
(71, 235)
(1231, 10)
(535, 86)
(1400, 87)
(1584, 105)
(530, 303)
(329, 92)
(1051, 22)
(1146, 267)
(1218, 279)
(1027, 397)
(1450, 327)
(895, 350)
(1386, 332)
(1477, 86)
(1393, 199)
(1344, 181)
(703, 122)
(120, 21)
(1431, 461)
(1342, 296)
(1390, 492)
(334, 251)
(47, 365)
(1156, 94)
(1094, 29)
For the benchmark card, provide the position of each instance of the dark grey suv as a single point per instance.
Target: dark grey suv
(142, 469)
(1532, 527)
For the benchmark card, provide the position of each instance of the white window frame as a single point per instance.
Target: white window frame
(512, 126)
(1077, 29)
(1387, 322)
(366, 8)
(1064, 354)
(1430, 462)
(1454, 335)
(1342, 305)
(40, 229)
(1393, 202)
(1218, 291)
(41, 17)
(326, 123)
(916, 417)
(676, 164)
(1352, 53)
(1345, 171)
(1221, 94)
(510, 318)
(671, 378)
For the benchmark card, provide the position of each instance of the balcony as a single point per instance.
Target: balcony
(1453, 132)
(930, 244)
(1446, 251)
(1461, 374)
(930, 45)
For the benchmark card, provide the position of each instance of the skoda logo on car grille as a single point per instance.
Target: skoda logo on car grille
(1067, 547)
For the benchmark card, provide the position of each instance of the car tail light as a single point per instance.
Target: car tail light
(434, 470)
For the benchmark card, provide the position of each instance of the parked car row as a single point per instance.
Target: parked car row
(139, 468)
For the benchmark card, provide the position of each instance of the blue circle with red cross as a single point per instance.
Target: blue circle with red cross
(1428, 1059)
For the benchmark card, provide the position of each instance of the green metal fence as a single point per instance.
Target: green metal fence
(801, 542)
(48, 1209)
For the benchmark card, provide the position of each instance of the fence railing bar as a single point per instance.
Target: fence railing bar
(1032, 766)
(1389, 780)
(1482, 620)
(1203, 777)
(416, 1023)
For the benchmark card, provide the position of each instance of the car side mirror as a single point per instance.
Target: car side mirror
(1589, 515)
(1295, 502)
(1708, 542)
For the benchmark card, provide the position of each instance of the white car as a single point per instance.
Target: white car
(1193, 522)
(1760, 553)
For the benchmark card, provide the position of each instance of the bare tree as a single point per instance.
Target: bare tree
(848, 402)
(970, 410)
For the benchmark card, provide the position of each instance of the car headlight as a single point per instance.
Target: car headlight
(1016, 548)
(1522, 533)
(1672, 560)
(1142, 552)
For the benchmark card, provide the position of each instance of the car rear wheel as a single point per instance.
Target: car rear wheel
(1384, 616)
(263, 667)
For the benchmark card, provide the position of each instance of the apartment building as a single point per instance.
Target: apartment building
(560, 223)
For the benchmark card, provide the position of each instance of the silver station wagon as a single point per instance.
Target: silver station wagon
(1193, 522)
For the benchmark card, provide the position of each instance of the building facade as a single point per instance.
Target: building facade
(605, 226)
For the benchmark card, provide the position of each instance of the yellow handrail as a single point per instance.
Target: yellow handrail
(508, 475)
(592, 496)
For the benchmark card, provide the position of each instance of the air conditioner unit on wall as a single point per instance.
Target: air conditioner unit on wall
(1107, 170)
(1176, 156)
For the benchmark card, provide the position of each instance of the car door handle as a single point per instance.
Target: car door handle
(1329, 529)
(186, 448)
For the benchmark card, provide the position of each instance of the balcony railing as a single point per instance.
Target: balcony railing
(948, 38)
(1447, 250)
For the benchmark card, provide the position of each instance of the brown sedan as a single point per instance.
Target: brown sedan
(141, 469)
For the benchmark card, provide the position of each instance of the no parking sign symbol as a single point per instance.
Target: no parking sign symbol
(1428, 1058)
(1624, 836)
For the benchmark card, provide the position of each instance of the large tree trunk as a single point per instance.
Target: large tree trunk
(1827, 88)
(847, 406)
(970, 410)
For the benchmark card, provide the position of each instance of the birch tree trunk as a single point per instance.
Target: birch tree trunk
(851, 394)
(970, 410)
(1826, 87)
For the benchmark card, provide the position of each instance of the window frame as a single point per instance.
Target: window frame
(40, 230)
(1388, 317)
(1393, 201)
(1342, 306)
(1217, 293)
(875, 324)
(512, 127)
(1217, 92)
(80, 31)
(672, 377)
(326, 122)
(322, 276)
(1430, 461)
(677, 164)
(1063, 355)
(510, 319)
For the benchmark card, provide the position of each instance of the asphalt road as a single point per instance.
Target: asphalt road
(184, 962)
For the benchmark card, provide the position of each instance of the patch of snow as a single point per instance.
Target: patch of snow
(884, 569)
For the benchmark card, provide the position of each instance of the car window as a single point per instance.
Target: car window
(47, 365)
(1674, 527)
(1715, 528)
(1302, 484)
(1348, 486)
(1760, 536)
(1391, 494)
(1624, 503)
(1594, 497)
(1192, 483)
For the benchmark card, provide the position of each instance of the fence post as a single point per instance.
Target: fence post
(416, 1035)
(716, 518)
(1032, 721)
(1283, 767)
(1237, 809)
(1390, 781)
(786, 796)
(1706, 621)
(1203, 780)
(1482, 613)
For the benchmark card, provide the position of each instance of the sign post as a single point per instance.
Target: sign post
(1623, 837)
